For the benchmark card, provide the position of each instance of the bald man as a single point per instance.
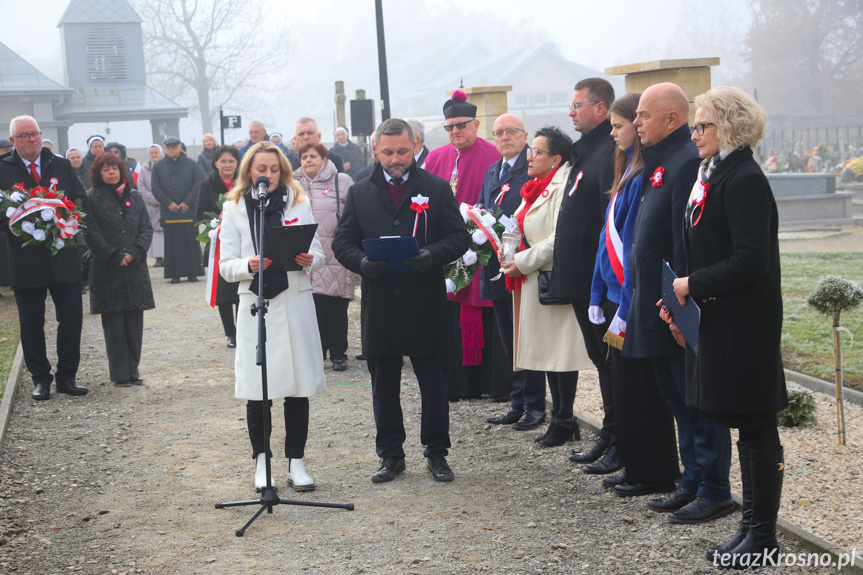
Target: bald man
(501, 190)
(670, 169)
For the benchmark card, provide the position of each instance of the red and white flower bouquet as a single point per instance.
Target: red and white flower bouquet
(44, 216)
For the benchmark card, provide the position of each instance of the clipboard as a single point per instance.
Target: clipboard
(687, 318)
(393, 250)
(285, 243)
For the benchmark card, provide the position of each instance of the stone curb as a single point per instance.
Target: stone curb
(11, 391)
(825, 387)
(809, 540)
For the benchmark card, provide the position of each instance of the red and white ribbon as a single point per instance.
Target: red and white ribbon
(475, 215)
(213, 270)
(577, 180)
(503, 190)
(419, 204)
(613, 243)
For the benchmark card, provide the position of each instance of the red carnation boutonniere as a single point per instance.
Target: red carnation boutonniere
(503, 190)
(656, 178)
(128, 204)
(54, 182)
(327, 191)
(419, 204)
(698, 200)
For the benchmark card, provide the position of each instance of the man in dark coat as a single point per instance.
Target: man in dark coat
(35, 272)
(421, 152)
(354, 157)
(501, 195)
(670, 169)
(579, 223)
(176, 180)
(95, 145)
(404, 314)
(367, 171)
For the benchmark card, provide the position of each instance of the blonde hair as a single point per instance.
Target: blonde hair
(739, 119)
(244, 181)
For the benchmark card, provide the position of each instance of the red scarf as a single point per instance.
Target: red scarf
(119, 189)
(530, 191)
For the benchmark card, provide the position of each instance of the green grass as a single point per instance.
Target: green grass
(9, 336)
(807, 337)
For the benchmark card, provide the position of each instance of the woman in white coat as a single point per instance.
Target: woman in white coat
(295, 369)
(546, 337)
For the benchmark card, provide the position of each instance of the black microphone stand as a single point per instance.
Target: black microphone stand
(268, 498)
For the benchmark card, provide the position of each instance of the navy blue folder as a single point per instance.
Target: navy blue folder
(394, 250)
(687, 318)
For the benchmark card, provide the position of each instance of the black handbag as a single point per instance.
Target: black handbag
(543, 285)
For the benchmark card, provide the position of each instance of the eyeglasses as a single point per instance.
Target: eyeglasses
(535, 152)
(509, 132)
(459, 125)
(575, 107)
(699, 127)
(28, 135)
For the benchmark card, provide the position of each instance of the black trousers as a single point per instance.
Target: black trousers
(296, 426)
(597, 351)
(124, 334)
(528, 387)
(69, 314)
(332, 314)
(228, 313)
(430, 370)
(562, 386)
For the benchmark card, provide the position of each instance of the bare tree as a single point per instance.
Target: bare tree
(205, 48)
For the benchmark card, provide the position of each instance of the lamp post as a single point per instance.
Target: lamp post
(382, 62)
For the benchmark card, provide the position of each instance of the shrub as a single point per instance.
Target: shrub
(800, 411)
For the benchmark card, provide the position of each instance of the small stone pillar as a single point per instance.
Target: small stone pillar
(340, 105)
(691, 74)
(490, 102)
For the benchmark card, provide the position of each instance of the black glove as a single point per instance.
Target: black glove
(421, 262)
(373, 269)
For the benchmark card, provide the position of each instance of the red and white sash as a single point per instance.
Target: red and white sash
(613, 243)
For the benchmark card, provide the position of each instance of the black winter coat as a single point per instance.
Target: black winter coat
(208, 201)
(734, 276)
(582, 214)
(509, 202)
(116, 226)
(34, 266)
(402, 314)
(657, 236)
(176, 181)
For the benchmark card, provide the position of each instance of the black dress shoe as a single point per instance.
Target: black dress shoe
(360, 357)
(42, 391)
(530, 419)
(71, 388)
(175, 280)
(232, 342)
(608, 463)
(671, 503)
(192, 279)
(633, 489)
(390, 467)
(598, 449)
(340, 364)
(439, 469)
(701, 510)
(507, 418)
(613, 481)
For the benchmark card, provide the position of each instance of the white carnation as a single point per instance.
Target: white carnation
(47, 215)
(488, 219)
(16, 196)
(58, 243)
(479, 237)
(28, 227)
(469, 258)
(464, 216)
(214, 223)
(39, 235)
(10, 211)
(450, 286)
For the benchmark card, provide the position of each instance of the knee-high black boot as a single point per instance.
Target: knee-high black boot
(768, 471)
(743, 530)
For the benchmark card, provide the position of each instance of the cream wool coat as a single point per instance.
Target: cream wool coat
(295, 366)
(547, 337)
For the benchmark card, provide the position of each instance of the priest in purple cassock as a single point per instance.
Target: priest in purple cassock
(473, 367)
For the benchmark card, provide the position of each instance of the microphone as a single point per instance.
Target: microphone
(262, 183)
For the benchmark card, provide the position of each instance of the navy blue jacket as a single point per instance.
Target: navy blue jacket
(509, 202)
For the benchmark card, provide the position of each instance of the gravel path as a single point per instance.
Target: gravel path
(124, 481)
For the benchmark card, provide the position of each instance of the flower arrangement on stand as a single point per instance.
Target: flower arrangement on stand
(44, 216)
(485, 230)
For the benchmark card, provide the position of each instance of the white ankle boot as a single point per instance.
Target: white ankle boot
(297, 476)
(261, 473)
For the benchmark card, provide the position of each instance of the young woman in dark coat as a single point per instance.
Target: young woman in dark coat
(226, 160)
(732, 249)
(119, 233)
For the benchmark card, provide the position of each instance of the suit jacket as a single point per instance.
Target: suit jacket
(366, 172)
(657, 236)
(509, 202)
(402, 314)
(582, 213)
(734, 276)
(423, 155)
(34, 266)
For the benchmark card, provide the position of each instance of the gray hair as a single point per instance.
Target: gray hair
(394, 127)
(307, 120)
(18, 119)
(259, 124)
(419, 129)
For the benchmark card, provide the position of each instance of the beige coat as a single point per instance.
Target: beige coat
(547, 337)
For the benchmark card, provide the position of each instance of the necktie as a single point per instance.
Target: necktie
(505, 170)
(396, 182)
(34, 172)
